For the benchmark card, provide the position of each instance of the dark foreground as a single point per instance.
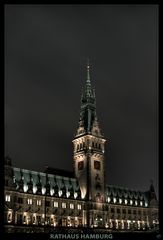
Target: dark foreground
(82, 234)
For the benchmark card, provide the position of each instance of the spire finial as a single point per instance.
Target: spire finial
(88, 74)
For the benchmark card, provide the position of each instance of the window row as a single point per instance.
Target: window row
(47, 203)
(127, 201)
(94, 145)
(97, 165)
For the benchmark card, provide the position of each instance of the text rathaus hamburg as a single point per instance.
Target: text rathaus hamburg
(81, 198)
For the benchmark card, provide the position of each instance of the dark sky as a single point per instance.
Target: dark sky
(46, 50)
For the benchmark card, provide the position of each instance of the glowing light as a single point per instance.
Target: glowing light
(146, 204)
(71, 205)
(29, 201)
(34, 189)
(9, 216)
(63, 205)
(7, 198)
(83, 193)
(131, 202)
(60, 193)
(125, 201)
(75, 195)
(55, 204)
(106, 225)
(43, 190)
(79, 206)
(114, 200)
(39, 202)
(109, 199)
(136, 202)
(51, 192)
(120, 200)
(141, 203)
(67, 194)
(25, 188)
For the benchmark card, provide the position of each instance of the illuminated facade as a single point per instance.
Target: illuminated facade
(80, 198)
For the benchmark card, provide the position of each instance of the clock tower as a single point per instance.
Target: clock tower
(89, 153)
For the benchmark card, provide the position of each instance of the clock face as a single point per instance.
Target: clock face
(80, 165)
(97, 165)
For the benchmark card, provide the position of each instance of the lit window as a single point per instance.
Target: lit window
(39, 202)
(67, 194)
(63, 205)
(29, 201)
(114, 200)
(80, 165)
(120, 200)
(71, 205)
(136, 203)
(141, 203)
(131, 202)
(9, 217)
(25, 188)
(146, 204)
(55, 204)
(125, 201)
(75, 195)
(60, 193)
(79, 206)
(109, 199)
(8, 198)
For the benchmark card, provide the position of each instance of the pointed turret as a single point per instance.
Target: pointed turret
(88, 107)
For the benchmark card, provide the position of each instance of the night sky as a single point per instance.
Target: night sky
(46, 51)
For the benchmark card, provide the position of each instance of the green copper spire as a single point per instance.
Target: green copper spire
(88, 121)
(88, 73)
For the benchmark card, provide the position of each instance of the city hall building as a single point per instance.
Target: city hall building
(81, 198)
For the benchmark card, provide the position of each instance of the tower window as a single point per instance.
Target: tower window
(77, 147)
(99, 146)
(80, 145)
(96, 145)
(97, 165)
(80, 165)
(93, 144)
